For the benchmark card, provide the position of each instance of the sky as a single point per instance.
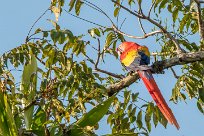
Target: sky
(18, 16)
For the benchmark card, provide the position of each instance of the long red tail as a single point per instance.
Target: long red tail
(154, 91)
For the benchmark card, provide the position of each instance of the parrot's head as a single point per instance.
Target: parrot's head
(124, 47)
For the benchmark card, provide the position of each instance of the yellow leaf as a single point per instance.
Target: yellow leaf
(56, 11)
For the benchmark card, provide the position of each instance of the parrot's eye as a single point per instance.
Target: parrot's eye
(119, 51)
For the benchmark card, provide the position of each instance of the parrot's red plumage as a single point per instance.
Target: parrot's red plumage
(136, 58)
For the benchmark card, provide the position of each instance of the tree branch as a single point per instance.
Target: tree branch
(184, 58)
(142, 16)
(136, 37)
(150, 10)
(28, 35)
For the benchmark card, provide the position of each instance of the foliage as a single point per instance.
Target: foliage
(62, 90)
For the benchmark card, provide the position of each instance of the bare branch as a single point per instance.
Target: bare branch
(150, 10)
(97, 8)
(131, 12)
(109, 73)
(97, 61)
(142, 16)
(122, 23)
(174, 73)
(141, 26)
(136, 37)
(184, 58)
(84, 19)
(99, 54)
(28, 35)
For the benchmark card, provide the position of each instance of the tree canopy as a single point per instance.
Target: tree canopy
(69, 82)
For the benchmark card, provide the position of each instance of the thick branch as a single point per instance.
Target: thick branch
(182, 59)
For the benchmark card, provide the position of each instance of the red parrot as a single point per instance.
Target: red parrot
(136, 58)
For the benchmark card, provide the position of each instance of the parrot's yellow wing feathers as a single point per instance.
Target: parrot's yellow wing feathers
(130, 57)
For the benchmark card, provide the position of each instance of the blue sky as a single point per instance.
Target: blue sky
(18, 16)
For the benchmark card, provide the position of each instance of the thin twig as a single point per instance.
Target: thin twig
(174, 73)
(97, 61)
(97, 8)
(122, 23)
(137, 37)
(40, 60)
(141, 26)
(28, 35)
(84, 19)
(109, 73)
(139, 19)
(134, 104)
(142, 16)
(150, 10)
(99, 53)
(131, 12)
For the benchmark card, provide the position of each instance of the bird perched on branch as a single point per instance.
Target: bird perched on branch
(136, 58)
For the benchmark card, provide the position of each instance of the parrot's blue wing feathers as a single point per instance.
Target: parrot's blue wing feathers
(145, 60)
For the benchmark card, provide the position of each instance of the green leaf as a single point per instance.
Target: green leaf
(7, 122)
(93, 32)
(45, 34)
(96, 114)
(62, 38)
(135, 96)
(38, 30)
(163, 120)
(116, 11)
(200, 107)
(139, 119)
(39, 121)
(130, 2)
(78, 6)
(162, 5)
(28, 88)
(109, 39)
(155, 120)
(183, 22)
(175, 14)
(147, 121)
(157, 3)
(54, 35)
(71, 4)
(201, 94)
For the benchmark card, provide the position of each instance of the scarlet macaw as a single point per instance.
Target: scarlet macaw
(136, 58)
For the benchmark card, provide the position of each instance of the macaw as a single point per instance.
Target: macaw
(136, 58)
